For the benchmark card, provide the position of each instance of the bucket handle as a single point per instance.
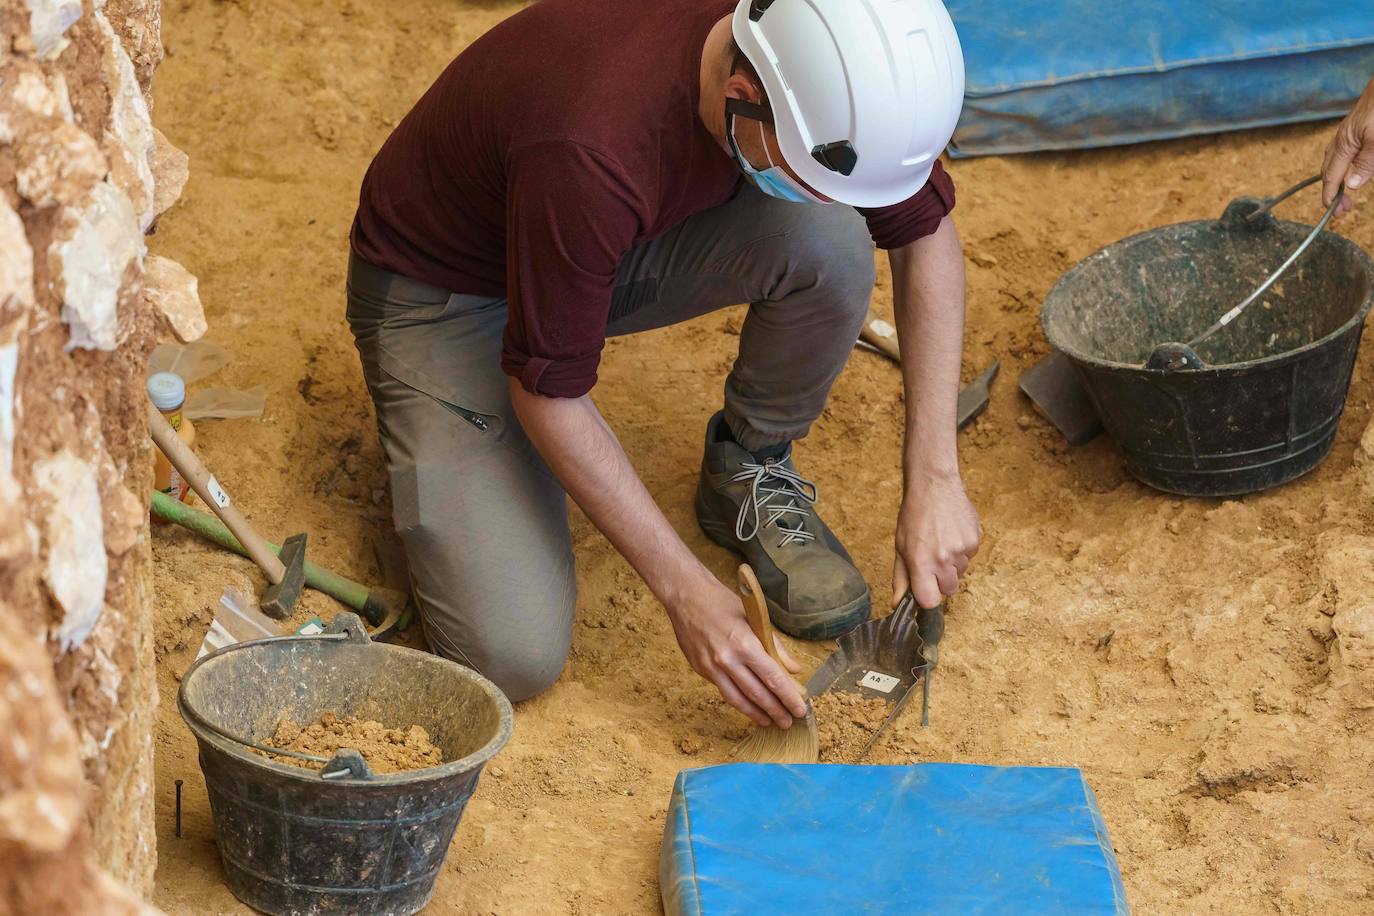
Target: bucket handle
(1234, 313)
(348, 628)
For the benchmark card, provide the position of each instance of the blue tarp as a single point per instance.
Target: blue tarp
(933, 838)
(1065, 74)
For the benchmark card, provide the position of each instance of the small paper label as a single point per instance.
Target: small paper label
(881, 328)
(217, 493)
(876, 680)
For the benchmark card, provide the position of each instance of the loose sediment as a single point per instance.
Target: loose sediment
(845, 722)
(386, 750)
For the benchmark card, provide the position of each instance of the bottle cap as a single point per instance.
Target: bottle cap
(167, 390)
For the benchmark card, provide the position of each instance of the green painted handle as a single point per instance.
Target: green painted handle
(373, 603)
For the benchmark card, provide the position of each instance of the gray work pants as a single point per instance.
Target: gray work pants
(483, 520)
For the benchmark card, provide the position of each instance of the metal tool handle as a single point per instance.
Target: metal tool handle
(1230, 316)
(930, 628)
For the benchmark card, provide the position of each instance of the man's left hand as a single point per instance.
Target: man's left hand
(937, 535)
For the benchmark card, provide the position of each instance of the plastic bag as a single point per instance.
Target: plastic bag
(193, 361)
(199, 360)
(237, 619)
(225, 403)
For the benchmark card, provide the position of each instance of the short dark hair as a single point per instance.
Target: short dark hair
(738, 61)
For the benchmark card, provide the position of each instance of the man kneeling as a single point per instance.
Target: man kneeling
(598, 167)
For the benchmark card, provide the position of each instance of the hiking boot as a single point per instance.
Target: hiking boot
(764, 509)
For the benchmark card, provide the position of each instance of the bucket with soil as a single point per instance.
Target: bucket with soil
(338, 768)
(1252, 400)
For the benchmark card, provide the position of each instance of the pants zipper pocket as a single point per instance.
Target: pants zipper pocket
(476, 419)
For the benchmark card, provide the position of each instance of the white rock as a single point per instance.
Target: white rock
(94, 256)
(9, 362)
(58, 166)
(174, 291)
(49, 21)
(31, 93)
(16, 295)
(171, 168)
(16, 260)
(129, 119)
(35, 94)
(57, 85)
(74, 541)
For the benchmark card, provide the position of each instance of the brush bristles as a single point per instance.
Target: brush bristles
(770, 744)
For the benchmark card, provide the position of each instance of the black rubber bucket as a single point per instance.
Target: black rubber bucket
(1265, 406)
(340, 840)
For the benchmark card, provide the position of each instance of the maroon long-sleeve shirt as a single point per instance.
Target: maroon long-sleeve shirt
(548, 149)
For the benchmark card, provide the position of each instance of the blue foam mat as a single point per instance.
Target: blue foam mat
(1066, 74)
(931, 838)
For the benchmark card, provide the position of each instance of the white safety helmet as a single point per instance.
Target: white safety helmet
(865, 93)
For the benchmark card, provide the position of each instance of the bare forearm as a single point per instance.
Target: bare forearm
(928, 284)
(587, 458)
(937, 527)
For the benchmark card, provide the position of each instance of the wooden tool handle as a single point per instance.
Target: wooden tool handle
(881, 336)
(756, 611)
(207, 488)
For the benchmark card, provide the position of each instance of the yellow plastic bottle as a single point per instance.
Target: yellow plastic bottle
(168, 393)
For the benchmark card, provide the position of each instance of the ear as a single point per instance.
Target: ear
(739, 86)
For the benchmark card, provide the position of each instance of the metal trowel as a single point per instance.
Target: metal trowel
(974, 397)
(880, 336)
(883, 659)
(1054, 387)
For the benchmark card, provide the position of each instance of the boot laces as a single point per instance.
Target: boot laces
(777, 495)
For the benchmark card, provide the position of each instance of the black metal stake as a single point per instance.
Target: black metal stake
(178, 785)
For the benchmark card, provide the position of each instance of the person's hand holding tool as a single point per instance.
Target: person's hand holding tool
(713, 633)
(937, 535)
(1350, 154)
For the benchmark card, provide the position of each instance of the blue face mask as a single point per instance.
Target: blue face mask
(774, 180)
(775, 183)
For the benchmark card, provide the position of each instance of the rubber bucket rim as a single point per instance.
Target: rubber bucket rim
(1278, 359)
(446, 770)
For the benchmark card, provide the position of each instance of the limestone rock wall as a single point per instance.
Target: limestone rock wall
(83, 175)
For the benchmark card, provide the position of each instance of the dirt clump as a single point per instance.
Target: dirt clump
(845, 722)
(386, 750)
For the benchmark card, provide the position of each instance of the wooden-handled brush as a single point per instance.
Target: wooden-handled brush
(770, 744)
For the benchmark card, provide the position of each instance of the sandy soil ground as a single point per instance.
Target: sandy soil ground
(1218, 725)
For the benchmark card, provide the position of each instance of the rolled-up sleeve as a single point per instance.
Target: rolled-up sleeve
(570, 217)
(916, 217)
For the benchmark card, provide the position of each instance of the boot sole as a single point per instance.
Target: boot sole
(812, 626)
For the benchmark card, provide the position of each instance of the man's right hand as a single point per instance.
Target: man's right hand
(713, 633)
(1350, 155)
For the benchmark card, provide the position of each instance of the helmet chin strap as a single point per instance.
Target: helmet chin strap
(774, 180)
(763, 139)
